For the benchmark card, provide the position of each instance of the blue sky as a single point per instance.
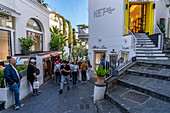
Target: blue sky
(73, 10)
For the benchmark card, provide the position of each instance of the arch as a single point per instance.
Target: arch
(35, 31)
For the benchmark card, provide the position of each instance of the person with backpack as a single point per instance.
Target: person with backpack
(32, 75)
(57, 72)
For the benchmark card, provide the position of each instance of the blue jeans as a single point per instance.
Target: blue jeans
(15, 89)
(63, 78)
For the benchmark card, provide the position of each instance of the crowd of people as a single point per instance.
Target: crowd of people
(66, 72)
(71, 71)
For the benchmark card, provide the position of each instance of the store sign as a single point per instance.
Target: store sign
(103, 11)
(5, 11)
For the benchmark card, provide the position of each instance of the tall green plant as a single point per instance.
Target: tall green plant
(57, 40)
(70, 37)
(2, 85)
(102, 72)
(25, 43)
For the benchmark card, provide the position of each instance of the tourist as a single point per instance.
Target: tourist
(65, 70)
(32, 75)
(75, 70)
(13, 79)
(79, 73)
(120, 62)
(102, 62)
(83, 71)
(88, 70)
(57, 72)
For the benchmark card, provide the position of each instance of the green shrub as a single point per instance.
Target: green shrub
(102, 72)
(20, 68)
(2, 85)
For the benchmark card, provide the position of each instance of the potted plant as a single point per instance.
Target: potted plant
(25, 45)
(39, 1)
(101, 73)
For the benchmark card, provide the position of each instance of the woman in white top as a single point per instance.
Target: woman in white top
(88, 70)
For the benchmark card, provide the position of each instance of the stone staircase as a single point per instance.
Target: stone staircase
(146, 49)
(143, 88)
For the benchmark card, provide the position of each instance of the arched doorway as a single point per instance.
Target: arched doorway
(35, 33)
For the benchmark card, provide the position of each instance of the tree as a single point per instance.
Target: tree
(78, 52)
(74, 37)
(57, 40)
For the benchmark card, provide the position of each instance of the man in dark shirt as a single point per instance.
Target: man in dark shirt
(13, 79)
(65, 71)
(32, 76)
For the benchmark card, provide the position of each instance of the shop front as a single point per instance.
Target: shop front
(7, 33)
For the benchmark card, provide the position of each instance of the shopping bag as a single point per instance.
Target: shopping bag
(35, 84)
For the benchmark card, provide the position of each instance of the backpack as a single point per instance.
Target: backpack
(57, 69)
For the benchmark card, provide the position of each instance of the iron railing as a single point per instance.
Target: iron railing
(134, 38)
(161, 38)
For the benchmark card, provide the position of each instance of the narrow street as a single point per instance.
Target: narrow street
(76, 100)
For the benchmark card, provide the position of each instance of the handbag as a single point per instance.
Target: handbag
(36, 85)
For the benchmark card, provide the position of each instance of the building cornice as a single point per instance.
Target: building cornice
(37, 4)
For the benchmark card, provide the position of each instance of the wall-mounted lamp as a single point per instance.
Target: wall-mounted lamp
(36, 17)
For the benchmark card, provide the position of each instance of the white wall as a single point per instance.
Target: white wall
(106, 26)
(30, 10)
(162, 12)
(23, 11)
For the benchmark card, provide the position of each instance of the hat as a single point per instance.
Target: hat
(32, 61)
(57, 62)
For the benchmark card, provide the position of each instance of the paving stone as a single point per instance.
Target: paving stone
(151, 105)
(151, 84)
(51, 102)
(105, 106)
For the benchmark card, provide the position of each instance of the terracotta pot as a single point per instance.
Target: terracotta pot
(100, 80)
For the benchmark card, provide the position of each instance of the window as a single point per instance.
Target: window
(32, 24)
(37, 39)
(34, 33)
(6, 21)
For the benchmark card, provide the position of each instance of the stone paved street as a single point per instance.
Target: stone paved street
(76, 100)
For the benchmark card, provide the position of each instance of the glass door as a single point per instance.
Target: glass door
(137, 18)
(5, 44)
(97, 57)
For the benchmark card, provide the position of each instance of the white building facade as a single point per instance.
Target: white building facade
(111, 20)
(23, 18)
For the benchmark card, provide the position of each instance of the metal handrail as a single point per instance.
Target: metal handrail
(135, 39)
(162, 40)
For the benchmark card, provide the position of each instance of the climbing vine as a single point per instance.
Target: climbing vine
(70, 38)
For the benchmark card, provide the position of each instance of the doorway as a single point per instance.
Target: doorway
(97, 56)
(137, 19)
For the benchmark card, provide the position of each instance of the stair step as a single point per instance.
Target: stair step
(132, 101)
(149, 86)
(164, 64)
(147, 48)
(151, 58)
(144, 45)
(2, 105)
(143, 40)
(150, 54)
(104, 106)
(159, 73)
